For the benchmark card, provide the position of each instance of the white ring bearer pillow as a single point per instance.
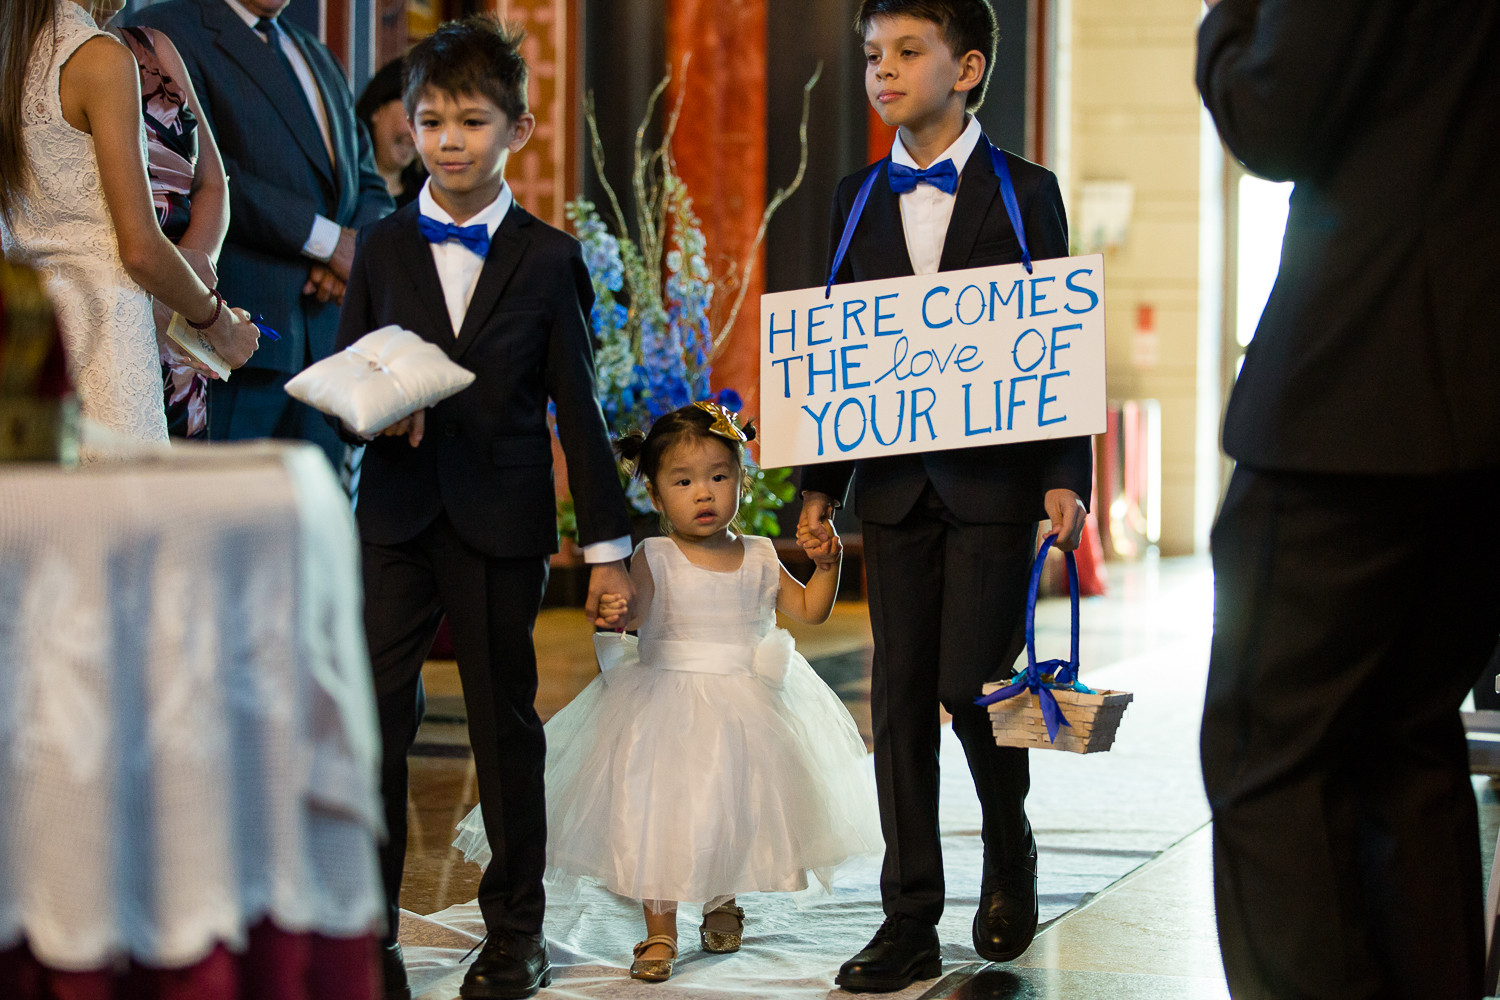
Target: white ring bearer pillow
(384, 376)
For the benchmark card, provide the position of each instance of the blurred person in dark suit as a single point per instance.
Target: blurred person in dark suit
(302, 180)
(1355, 605)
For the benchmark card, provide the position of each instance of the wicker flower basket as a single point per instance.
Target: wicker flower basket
(1084, 721)
(1092, 720)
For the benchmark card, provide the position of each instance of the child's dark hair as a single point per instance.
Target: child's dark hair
(472, 55)
(967, 25)
(699, 420)
(645, 451)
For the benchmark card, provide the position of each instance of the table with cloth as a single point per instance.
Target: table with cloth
(188, 743)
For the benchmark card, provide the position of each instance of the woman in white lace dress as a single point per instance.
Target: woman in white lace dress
(75, 204)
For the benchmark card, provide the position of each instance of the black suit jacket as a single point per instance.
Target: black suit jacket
(1379, 350)
(279, 173)
(486, 458)
(998, 484)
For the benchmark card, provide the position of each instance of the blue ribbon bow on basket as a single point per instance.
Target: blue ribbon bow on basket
(1041, 679)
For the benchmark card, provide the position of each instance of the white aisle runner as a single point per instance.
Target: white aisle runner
(1097, 817)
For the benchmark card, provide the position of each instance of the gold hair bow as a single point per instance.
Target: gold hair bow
(723, 425)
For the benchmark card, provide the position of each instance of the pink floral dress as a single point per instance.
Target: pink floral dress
(171, 158)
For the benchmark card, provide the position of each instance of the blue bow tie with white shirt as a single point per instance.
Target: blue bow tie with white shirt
(943, 176)
(475, 238)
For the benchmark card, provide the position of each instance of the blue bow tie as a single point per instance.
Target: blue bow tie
(943, 176)
(476, 238)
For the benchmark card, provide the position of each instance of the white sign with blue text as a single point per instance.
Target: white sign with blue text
(956, 359)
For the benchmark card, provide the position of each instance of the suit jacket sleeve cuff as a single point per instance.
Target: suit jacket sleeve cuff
(323, 239)
(611, 551)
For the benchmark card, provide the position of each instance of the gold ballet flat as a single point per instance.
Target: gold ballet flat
(653, 970)
(723, 942)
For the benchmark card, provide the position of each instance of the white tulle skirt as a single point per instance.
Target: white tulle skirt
(686, 786)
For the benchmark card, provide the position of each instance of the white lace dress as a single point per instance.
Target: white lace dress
(64, 230)
(707, 759)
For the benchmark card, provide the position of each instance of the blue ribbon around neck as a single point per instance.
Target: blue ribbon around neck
(1041, 679)
(1007, 195)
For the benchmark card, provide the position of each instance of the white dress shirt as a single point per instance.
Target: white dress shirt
(926, 210)
(458, 267)
(324, 237)
(458, 270)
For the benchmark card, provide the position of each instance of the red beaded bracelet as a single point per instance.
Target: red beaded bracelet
(218, 308)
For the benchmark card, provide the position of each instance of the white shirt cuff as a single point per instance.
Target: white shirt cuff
(323, 240)
(611, 551)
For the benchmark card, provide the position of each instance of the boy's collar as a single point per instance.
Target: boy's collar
(490, 216)
(959, 152)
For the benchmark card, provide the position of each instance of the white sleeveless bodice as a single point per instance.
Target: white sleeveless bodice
(707, 621)
(63, 229)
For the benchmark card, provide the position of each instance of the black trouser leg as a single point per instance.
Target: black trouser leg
(944, 605)
(986, 574)
(904, 573)
(1345, 834)
(492, 605)
(401, 618)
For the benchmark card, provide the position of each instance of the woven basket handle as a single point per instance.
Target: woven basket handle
(1036, 582)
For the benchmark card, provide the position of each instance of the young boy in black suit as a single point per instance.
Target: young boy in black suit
(948, 535)
(456, 508)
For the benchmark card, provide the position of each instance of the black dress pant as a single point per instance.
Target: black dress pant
(947, 606)
(491, 604)
(1352, 615)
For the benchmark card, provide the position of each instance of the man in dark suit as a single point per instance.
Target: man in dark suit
(456, 511)
(948, 535)
(1355, 601)
(302, 180)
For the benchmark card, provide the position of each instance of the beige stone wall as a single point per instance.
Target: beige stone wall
(1135, 115)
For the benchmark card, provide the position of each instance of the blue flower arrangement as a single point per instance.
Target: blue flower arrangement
(653, 298)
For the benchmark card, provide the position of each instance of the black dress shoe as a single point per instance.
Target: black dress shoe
(1006, 921)
(510, 966)
(903, 951)
(393, 972)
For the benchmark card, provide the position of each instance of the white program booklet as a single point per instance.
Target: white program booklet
(196, 344)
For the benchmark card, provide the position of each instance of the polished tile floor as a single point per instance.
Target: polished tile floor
(1151, 934)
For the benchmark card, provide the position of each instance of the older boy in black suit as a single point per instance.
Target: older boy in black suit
(456, 507)
(948, 535)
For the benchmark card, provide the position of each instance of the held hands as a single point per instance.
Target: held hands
(611, 592)
(1066, 513)
(817, 518)
(324, 284)
(326, 281)
(825, 551)
(613, 610)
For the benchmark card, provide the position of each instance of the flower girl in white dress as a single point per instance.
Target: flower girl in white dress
(707, 759)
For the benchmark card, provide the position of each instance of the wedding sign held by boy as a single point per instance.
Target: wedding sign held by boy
(707, 759)
(456, 511)
(948, 535)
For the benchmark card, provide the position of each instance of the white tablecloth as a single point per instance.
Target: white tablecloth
(188, 740)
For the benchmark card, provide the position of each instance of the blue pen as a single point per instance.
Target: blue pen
(258, 321)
